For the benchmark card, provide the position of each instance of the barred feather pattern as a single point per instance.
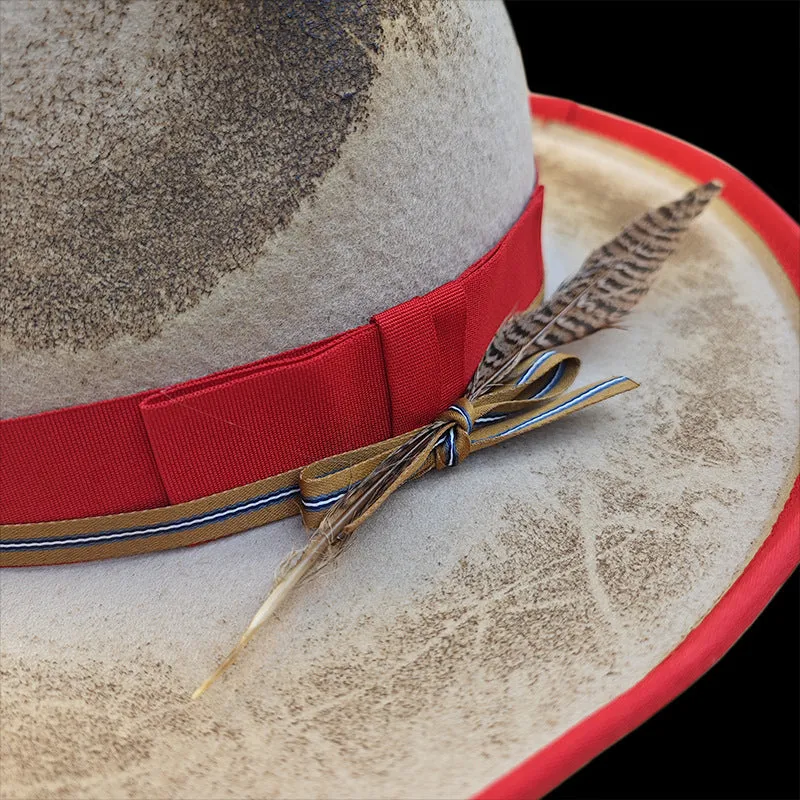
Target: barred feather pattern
(612, 279)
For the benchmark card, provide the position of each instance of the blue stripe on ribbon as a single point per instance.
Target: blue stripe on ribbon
(533, 367)
(448, 440)
(552, 382)
(553, 411)
(244, 507)
(464, 414)
(324, 500)
(557, 375)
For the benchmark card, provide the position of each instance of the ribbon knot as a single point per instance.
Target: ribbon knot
(455, 444)
(533, 394)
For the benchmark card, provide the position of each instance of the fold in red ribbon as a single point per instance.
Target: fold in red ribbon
(167, 446)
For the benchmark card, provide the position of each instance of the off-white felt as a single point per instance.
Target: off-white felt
(485, 609)
(430, 175)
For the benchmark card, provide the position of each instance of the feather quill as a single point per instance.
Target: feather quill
(334, 533)
(610, 282)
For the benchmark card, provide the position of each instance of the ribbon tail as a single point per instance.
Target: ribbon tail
(562, 406)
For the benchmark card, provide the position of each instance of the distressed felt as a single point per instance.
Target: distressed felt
(485, 610)
(429, 175)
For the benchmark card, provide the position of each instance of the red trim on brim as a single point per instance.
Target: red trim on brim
(778, 230)
(775, 559)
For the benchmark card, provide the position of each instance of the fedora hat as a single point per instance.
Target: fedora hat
(524, 608)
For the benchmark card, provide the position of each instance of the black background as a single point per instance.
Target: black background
(725, 77)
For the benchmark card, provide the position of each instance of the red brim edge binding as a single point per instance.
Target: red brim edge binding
(776, 558)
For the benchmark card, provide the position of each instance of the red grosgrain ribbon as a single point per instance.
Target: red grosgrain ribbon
(164, 448)
(536, 393)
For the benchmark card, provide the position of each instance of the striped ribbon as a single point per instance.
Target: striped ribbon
(538, 392)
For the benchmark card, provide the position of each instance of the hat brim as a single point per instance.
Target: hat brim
(545, 597)
(773, 562)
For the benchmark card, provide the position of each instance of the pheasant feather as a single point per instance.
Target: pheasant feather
(608, 285)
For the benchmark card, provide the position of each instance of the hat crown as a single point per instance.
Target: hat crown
(197, 187)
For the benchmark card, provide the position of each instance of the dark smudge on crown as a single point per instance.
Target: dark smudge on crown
(148, 151)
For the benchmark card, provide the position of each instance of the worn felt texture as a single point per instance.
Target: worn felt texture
(190, 187)
(485, 609)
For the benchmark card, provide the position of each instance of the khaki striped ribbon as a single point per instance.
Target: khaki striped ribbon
(538, 392)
